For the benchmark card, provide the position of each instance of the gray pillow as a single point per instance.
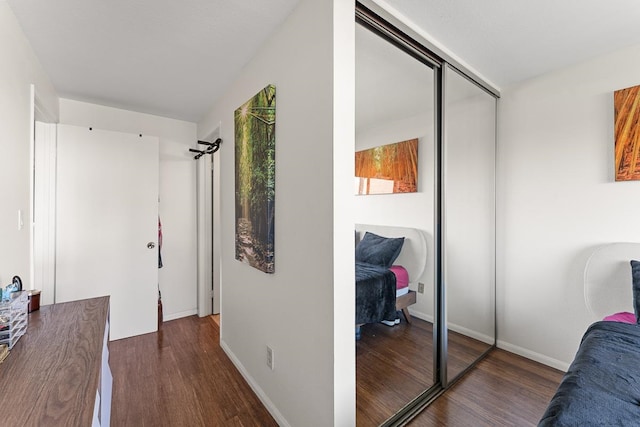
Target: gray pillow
(635, 274)
(378, 250)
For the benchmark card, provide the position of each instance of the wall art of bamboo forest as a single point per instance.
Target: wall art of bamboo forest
(626, 104)
(391, 168)
(255, 157)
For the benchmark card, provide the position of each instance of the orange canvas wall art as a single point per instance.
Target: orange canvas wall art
(626, 104)
(391, 168)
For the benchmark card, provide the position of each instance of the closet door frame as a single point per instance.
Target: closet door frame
(377, 19)
(446, 72)
(381, 27)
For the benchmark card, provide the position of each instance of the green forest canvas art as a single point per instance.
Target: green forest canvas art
(255, 158)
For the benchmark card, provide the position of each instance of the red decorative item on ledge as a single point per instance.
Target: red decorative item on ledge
(34, 300)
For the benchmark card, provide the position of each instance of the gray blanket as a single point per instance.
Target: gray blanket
(602, 385)
(375, 293)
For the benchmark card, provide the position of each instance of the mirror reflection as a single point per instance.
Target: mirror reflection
(394, 104)
(469, 220)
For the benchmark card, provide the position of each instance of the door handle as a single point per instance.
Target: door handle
(151, 245)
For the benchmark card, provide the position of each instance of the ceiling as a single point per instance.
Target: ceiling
(165, 57)
(175, 58)
(508, 41)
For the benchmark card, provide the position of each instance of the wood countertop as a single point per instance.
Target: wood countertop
(52, 374)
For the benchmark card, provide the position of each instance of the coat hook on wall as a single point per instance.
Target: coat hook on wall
(212, 147)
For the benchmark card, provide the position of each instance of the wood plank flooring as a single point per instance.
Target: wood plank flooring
(395, 364)
(180, 376)
(502, 390)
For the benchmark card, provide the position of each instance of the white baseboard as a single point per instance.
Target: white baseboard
(255, 387)
(472, 334)
(420, 315)
(456, 328)
(520, 351)
(174, 316)
(537, 357)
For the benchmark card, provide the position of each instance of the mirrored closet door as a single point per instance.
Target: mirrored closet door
(468, 218)
(406, 90)
(395, 103)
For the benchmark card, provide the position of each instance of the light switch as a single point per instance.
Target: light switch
(20, 222)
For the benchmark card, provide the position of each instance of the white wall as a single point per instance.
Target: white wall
(405, 210)
(177, 206)
(20, 68)
(304, 311)
(557, 201)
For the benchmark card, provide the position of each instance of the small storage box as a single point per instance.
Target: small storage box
(13, 318)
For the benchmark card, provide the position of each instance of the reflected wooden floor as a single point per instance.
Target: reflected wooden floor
(502, 390)
(395, 364)
(180, 376)
(462, 352)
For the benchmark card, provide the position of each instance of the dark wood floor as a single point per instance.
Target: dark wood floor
(181, 377)
(395, 364)
(502, 390)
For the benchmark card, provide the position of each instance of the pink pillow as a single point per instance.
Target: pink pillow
(624, 317)
(402, 276)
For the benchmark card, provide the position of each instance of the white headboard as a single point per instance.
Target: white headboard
(607, 279)
(414, 254)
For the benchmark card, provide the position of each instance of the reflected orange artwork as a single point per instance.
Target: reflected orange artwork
(391, 168)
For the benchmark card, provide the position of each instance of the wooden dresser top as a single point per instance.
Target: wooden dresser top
(52, 374)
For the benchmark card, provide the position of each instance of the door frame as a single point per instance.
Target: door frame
(208, 200)
(45, 120)
(43, 207)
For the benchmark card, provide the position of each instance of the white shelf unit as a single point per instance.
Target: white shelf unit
(13, 318)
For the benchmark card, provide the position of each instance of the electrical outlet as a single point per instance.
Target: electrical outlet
(270, 363)
(420, 288)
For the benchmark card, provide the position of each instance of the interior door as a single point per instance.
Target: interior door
(107, 224)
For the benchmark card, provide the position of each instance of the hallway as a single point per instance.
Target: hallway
(180, 376)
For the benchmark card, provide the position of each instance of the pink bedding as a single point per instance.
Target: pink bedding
(402, 276)
(624, 317)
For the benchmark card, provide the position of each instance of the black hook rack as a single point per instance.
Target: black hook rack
(212, 147)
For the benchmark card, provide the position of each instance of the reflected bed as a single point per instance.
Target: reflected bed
(388, 260)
